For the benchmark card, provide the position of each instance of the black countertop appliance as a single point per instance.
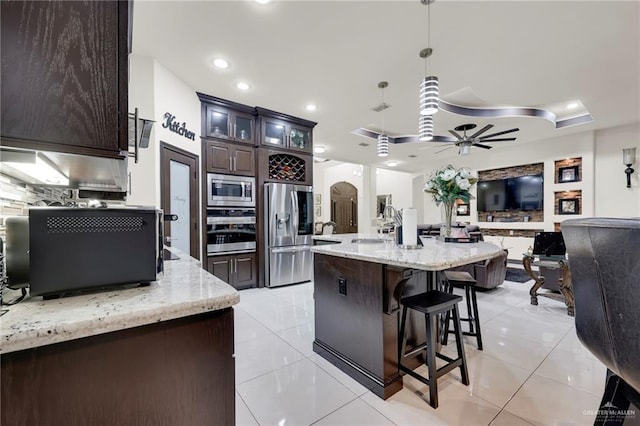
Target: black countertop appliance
(71, 249)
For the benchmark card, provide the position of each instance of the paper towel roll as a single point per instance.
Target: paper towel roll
(409, 227)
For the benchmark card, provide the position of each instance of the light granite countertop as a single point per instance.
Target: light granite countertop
(183, 289)
(435, 255)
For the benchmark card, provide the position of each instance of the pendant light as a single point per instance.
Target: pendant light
(425, 128)
(429, 89)
(382, 146)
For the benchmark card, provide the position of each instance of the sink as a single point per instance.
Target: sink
(369, 240)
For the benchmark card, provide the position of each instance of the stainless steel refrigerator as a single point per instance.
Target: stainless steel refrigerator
(288, 233)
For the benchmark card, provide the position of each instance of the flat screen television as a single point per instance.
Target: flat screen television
(519, 193)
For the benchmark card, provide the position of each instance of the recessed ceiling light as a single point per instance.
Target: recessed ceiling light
(262, 1)
(392, 163)
(310, 107)
(221, 63)
(242, 86)
(572, 105)
(319, 149)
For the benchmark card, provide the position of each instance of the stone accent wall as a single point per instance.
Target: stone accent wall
(513, 215)
(568, 162)
(567, 195)
(510, 172)
(493, 232)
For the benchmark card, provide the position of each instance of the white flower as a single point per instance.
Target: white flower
(463, 183)
(428, 185)
(465, 173)
(447, 174)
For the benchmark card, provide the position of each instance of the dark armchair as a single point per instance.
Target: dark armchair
(489, 273)
(605, 268)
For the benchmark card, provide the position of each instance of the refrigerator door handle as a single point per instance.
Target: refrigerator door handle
(294, 213)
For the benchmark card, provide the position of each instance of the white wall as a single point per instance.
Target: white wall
(397, 184)
(343, 172)
(141, 95)
(155, 91)
(614, 199)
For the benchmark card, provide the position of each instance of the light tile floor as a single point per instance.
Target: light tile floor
(533, 370)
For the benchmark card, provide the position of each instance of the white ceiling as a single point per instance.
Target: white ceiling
(334, 53)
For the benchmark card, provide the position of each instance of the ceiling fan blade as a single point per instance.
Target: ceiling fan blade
(499, 133)
(479, 145)
(481, 131)
(454, 133)
(449, 147)
(498, 140)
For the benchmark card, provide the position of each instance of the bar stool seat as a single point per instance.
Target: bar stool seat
(462, 279)
(432, 303)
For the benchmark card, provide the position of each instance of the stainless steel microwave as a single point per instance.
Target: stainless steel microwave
(231, 191)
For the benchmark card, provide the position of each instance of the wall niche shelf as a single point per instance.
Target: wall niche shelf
(568, 170)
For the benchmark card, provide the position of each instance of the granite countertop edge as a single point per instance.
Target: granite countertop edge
(183, 290)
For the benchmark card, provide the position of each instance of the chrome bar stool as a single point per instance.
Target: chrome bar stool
(464, 280)
(432, 303)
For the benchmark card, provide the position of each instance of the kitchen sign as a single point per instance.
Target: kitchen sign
(175, 127)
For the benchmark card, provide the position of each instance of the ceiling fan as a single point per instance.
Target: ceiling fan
(464, 142)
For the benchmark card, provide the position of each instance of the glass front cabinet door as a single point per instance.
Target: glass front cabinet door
(229, 124)
(300, 138)
(274, 133)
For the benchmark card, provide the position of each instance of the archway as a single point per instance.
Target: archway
(344, 207)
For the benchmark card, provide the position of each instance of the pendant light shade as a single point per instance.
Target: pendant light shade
(425, 128)
(383, 145)
(429, 95)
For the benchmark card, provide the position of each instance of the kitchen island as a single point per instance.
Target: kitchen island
(357, 300)
(160, 354)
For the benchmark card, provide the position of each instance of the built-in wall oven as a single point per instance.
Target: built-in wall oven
(230, 190)
(230, 230)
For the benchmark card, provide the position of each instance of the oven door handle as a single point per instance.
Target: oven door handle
(227, 221)
(291, 249)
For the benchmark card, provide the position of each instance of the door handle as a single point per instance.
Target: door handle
(230, 164)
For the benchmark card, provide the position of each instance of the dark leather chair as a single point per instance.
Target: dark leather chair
(605, 267)
(489, 273)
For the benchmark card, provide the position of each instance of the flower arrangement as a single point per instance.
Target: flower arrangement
(448, 185)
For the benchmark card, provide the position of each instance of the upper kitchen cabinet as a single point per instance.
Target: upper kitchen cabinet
(284, 131)
(227, 120)
(65, 76)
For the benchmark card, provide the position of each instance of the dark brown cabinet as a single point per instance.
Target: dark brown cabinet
(286, 132)
(285, 135)
(65, 76)
(228, 158)
(224, 123)
(237, 270)
(227, 120)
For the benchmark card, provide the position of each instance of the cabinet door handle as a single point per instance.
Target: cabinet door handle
(235, 164)
(135, 136)
(234, 130)
(230, 164)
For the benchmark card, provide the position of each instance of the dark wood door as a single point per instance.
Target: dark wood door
(179, 184)
(219, 157)
(244, 161)
(65, 76)
(221, 267)
(344, 207)
(245, 271)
